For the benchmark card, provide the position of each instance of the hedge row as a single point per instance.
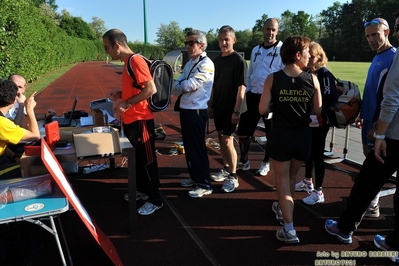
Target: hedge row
(31, 44)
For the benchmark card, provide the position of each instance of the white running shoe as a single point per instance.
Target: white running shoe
(263, 169)
(222, 175)
(230, 185)
(304, 186)
(243, 166)
(148, 208)
(314, 197)
(198, 192)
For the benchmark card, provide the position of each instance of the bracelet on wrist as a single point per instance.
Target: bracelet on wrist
(378, 136)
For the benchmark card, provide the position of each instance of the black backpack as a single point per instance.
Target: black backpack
(162, 75)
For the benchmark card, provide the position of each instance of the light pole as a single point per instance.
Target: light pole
(145, 24)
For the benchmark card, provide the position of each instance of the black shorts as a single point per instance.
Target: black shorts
(249, 119)
(289, 143)
(223, 124)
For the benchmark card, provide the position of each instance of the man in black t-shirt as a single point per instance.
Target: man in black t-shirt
(227, 103)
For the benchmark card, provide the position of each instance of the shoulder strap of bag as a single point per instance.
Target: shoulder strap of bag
(131, 73)
(191, 70)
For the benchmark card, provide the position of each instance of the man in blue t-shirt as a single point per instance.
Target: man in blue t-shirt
(376, 32)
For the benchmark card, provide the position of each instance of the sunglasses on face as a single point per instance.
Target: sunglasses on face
(191, 43)
(374, 22)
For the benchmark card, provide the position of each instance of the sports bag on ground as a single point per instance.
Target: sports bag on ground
(162, 75)
(345, 111)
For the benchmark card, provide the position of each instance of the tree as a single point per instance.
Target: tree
(49, 12)
(213, 39)
(330, 19)
(286, 25)
(304, 25)
(300, 23)
(50, 3)
(98, 26)
(186, 30)
(260, 23)
(76, 26)
(243, 39)
(170, 36)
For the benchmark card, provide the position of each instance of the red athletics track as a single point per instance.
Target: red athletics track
(220, 229)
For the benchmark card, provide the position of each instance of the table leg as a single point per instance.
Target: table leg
(131, 155)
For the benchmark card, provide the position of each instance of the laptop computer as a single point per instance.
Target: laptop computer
(66, 122)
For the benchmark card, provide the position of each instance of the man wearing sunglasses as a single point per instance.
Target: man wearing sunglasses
(137, 118)
(195, 86)
(376, 32)
(381, 163)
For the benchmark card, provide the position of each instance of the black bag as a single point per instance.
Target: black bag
(177, 103)
(162, 75)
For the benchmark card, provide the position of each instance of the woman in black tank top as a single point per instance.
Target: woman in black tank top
(295, 95)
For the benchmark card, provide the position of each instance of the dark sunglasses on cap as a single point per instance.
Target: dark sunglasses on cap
(374, 22)
(191, 43)
(396, 27)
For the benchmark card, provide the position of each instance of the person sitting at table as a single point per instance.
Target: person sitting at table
(17, 112)
(10, 133)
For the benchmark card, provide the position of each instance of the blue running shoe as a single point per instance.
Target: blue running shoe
(331, 227)
(379, 242)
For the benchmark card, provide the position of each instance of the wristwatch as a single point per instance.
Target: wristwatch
(238, 113)
(378, 136)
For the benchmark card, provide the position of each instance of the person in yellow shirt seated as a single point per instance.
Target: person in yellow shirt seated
(10, 133)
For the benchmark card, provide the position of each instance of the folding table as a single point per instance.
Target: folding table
(36, 209)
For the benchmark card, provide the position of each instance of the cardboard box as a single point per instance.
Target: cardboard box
(97, 144)
(33, 165)
(98, 117)
(66, 133)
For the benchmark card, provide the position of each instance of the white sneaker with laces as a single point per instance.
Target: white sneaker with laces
(314, 197)
(198, 192)
(263, 169)
(148, 208)
(222, 175)
(243, 166)
(230, 185)
(188, 182)
(304, 186)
